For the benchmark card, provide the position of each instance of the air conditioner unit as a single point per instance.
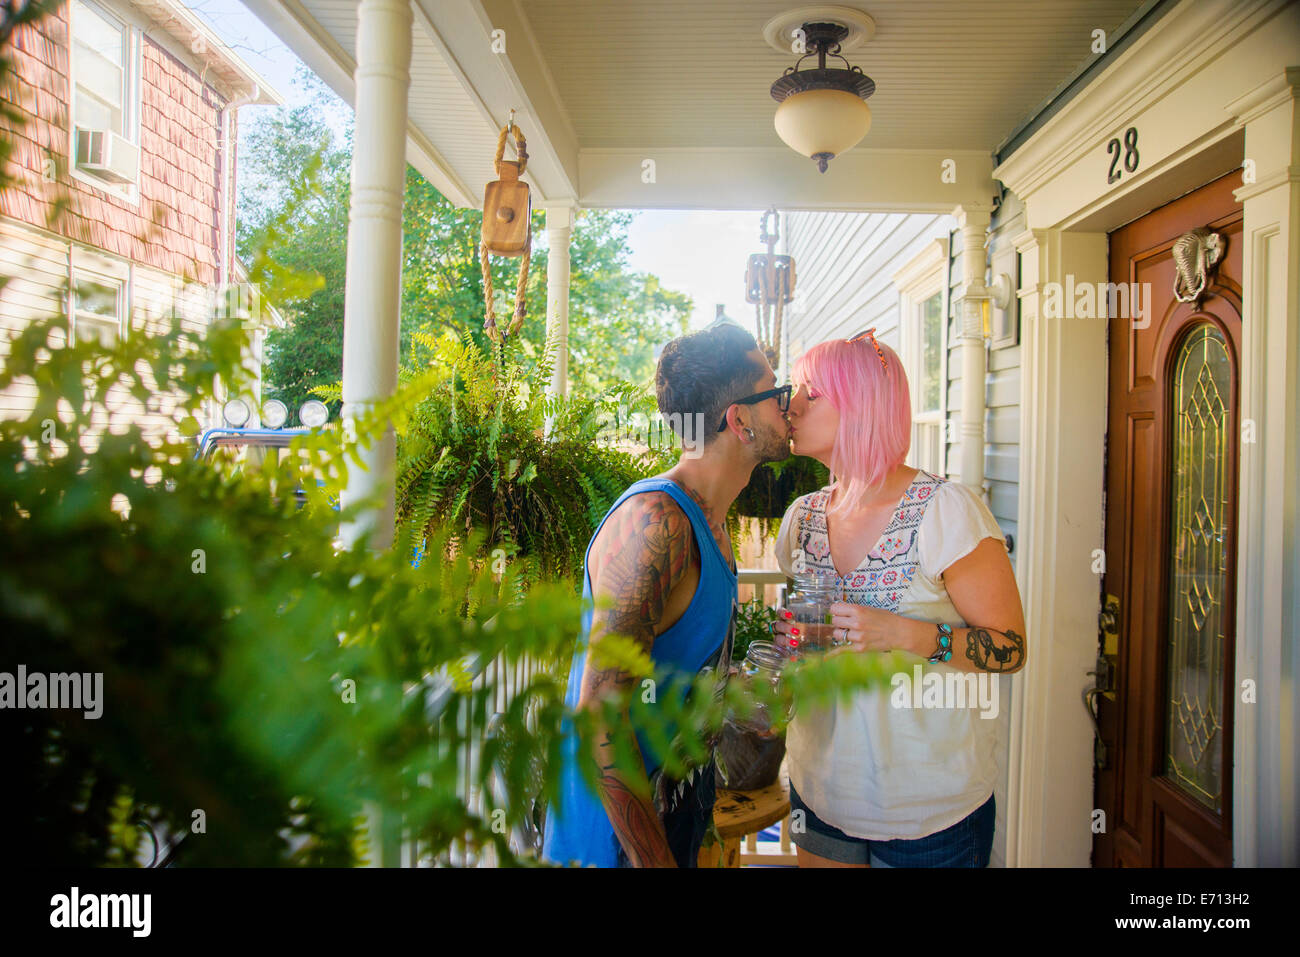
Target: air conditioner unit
(105, 154)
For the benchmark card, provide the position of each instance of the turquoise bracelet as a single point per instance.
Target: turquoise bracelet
(944, 652)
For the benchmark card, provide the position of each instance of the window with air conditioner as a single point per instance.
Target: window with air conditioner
(104, 58)
(97, 308)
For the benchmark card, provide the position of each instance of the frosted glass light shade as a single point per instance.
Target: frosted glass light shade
(822, 121)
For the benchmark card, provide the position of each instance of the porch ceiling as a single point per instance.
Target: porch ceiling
(603, 85)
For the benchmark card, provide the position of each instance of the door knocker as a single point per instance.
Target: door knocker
(1195, 254)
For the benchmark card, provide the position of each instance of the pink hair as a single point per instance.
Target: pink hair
(875, 407)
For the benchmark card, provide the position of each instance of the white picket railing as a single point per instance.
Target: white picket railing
(506, 680)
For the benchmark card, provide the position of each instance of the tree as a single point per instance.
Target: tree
(297, 147)
(616, 316)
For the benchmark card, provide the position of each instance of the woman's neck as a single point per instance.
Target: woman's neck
(896, 482)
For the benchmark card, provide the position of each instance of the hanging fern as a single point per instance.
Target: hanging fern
(772, 487)
(473, 457)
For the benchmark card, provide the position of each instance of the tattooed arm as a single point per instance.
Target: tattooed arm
(640, 556)
(983, 590)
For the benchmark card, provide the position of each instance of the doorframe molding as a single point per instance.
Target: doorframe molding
(1199, 117)
(1266, 773)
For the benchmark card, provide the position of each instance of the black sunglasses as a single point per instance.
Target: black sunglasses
(781, 392)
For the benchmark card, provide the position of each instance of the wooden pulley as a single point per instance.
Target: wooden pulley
(507, 227)
(769, 277)
(507, 205)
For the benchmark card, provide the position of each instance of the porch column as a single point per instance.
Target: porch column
(973, 224)
(1063, 447)
(559, 229)
(1266, 727)
(372, 296)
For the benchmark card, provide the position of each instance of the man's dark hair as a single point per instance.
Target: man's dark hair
(705, 372)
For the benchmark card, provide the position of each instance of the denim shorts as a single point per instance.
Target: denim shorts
(966, 844)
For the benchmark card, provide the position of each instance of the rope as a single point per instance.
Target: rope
(769, 309)
(521, 147)
(489, 293)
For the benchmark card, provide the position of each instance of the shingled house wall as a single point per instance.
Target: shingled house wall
(170, 237)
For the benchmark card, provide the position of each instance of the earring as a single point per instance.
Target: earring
(750, 433)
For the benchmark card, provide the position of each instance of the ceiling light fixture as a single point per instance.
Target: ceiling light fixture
(823, 112)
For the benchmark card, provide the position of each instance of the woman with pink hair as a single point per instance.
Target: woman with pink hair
(895, 778)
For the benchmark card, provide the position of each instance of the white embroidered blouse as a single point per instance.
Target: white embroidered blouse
(872, 770)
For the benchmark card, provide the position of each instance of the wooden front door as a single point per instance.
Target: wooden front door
(1171, 542)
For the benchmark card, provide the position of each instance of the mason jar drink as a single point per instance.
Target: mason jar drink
(763, 663)
(810, 604)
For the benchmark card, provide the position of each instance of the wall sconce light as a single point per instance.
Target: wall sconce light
(823, 112)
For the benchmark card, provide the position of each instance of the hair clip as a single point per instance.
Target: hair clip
(874, 344)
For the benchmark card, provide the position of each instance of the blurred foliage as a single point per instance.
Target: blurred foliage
(225, 626)
(267, 694)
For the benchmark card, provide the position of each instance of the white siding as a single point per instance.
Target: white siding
(1002, 389)
(35, 267)
(844, 264)
(35, 273)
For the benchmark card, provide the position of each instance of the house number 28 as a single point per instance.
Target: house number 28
(1129, 151)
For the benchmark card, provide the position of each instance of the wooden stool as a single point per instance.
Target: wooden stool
(739, 813)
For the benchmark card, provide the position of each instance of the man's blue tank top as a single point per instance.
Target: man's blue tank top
(577, 827)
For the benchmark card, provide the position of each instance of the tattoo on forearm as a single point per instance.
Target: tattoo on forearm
(635, 821)
(995, 650)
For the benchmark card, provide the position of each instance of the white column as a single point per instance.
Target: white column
(1063, 446)
(559, 229)
(973, 223)
(373, 290)
(1266, 730)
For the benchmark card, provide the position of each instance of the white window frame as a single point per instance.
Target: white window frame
(133, 66)
(84, 265)
(925, 275)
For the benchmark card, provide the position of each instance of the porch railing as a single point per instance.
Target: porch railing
(507, 680)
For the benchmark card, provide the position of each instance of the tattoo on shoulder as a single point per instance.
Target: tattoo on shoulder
(641, 554)
(995, 650)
